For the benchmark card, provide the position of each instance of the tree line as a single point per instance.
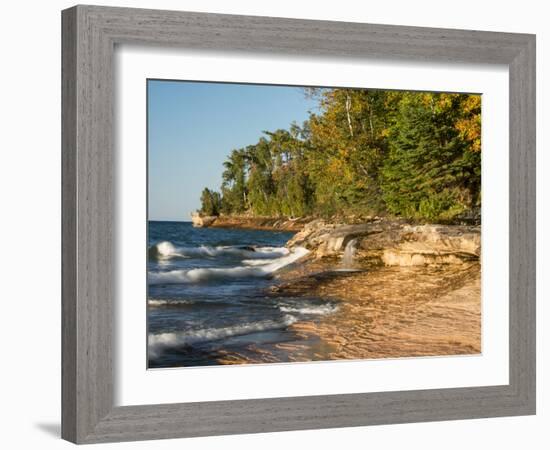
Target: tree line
(365, 152)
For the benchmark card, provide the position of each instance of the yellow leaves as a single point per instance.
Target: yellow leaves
(470, 131)
(445, 101)
(465, 108)
(334, 166)
(472, 103)
(469, 125)
(385, 132)
(426, 99)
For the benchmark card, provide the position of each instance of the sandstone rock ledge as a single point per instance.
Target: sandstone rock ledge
(393, 243)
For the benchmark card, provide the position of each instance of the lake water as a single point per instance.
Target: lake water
(208, 294)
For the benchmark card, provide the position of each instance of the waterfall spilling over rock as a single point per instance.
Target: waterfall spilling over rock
(349, 254)
(390, 243)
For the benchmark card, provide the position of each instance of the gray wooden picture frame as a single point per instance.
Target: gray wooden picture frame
(89, 37)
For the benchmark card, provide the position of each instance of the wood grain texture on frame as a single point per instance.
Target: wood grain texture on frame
(89, 37)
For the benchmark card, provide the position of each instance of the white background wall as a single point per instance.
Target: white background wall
(30, 222)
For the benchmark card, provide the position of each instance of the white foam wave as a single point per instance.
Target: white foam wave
(168, 302)
(256, 262)
(206, 274)
(320, 310)
(166, 249)
(162, 341)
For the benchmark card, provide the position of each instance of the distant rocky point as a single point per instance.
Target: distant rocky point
(200, 221)
(249, 222)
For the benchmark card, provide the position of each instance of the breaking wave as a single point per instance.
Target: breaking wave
(314, 310)
(161, 341)
(166, 250)
(199, 275)
(169, 302)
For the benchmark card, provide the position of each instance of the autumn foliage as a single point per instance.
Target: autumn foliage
(410, 154)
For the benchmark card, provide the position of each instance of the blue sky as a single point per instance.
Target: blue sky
(194, 126)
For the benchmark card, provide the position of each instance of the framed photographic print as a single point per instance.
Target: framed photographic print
(268, 222)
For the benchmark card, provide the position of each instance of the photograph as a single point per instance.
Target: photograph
(272, 225)
(297, 224)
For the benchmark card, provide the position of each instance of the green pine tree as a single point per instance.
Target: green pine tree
(425, 172)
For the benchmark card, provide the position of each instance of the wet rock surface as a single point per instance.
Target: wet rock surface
(410, 290)
(393, 243)
(386, 312)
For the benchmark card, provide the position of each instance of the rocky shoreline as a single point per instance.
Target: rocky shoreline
(378, 241)
(407, 290)
(392, 242)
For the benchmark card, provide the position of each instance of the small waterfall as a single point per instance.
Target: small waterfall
(349, 254)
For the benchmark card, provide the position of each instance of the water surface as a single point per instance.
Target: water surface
(208, 294)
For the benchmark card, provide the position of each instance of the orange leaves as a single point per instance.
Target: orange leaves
(469, 125)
